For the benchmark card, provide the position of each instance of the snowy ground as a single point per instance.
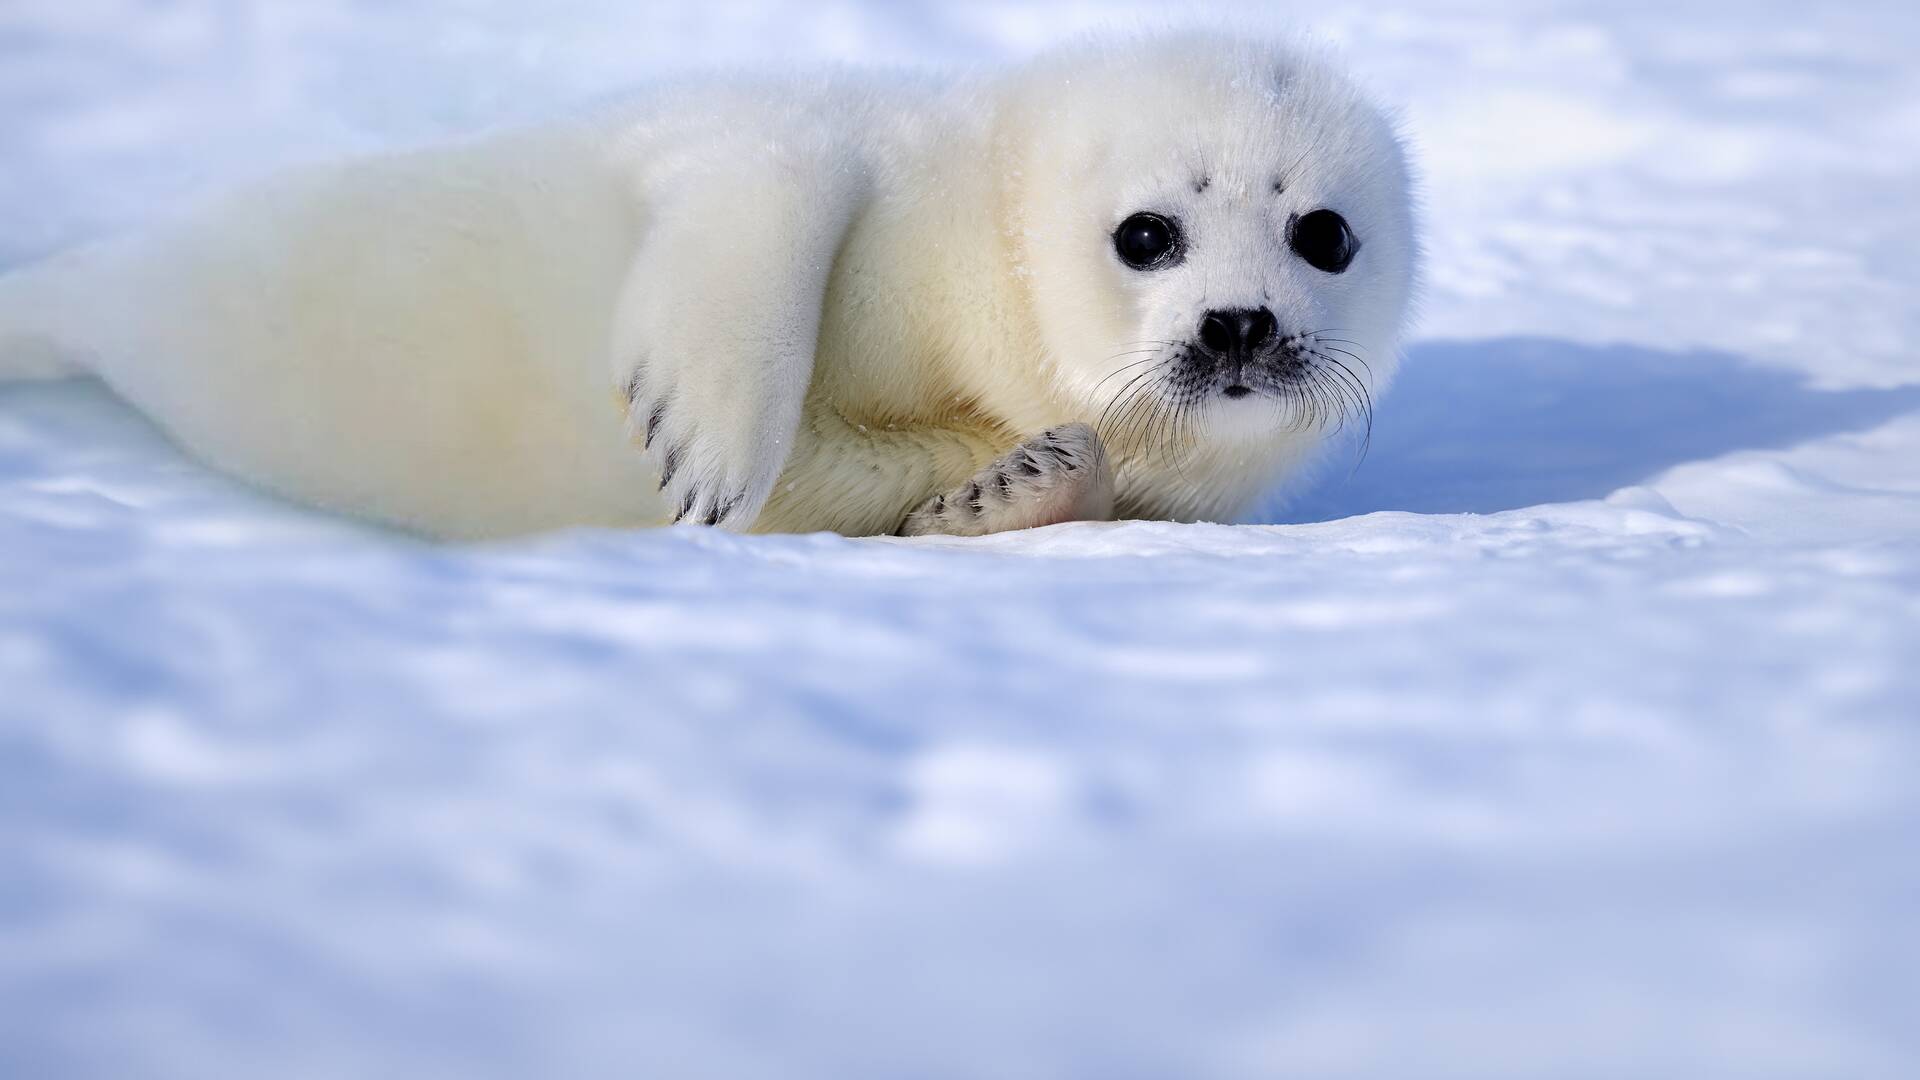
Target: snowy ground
(1572, 735)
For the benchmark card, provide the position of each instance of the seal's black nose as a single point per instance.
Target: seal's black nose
(1238, 331)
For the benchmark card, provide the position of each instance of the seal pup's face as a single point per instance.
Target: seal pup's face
(1218, 239)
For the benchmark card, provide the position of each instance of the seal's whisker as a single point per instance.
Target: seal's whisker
(1123, 370)
(1356, 358)
(1124, 393)
(1351, 379)
(1159, 430)
(1127, 403)
(1364, 398)
(1361, 399)
(1136, 418)
(1140, 412)
(1182, 436)
(1120, 435)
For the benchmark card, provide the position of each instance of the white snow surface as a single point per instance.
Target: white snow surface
(1571, 734)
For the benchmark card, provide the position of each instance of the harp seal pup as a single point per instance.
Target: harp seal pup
(1142, 277)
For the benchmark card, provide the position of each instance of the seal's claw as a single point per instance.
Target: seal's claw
(1059, 475)
(702, 480)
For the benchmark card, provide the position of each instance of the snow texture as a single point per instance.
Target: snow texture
(1570, 734)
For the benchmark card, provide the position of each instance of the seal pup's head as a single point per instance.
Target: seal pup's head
(1217, 240)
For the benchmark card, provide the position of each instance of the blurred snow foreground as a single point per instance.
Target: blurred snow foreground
(1572, 734)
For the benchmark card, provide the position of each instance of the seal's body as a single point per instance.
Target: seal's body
(790, 305)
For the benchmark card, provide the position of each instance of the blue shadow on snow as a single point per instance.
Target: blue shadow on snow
(1483, 426)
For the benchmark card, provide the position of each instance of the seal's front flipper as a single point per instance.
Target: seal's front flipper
(1059, 475)
(716, 327)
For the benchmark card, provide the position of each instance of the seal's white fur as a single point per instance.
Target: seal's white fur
(817, 301)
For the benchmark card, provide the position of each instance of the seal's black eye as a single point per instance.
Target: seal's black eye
(1147, 241)
(1323, 239)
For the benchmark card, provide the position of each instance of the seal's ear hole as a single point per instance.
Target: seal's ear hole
(1149, 241)
(1323, 239)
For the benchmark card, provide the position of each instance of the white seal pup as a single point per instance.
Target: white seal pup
(1139, 278)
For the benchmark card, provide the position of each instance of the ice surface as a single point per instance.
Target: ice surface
(1571, 734)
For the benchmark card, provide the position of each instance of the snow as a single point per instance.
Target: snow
(1570, 733)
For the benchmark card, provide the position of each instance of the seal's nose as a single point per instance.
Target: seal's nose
(1237, 331)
